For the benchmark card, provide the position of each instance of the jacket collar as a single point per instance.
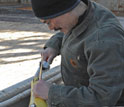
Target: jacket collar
(81, 27)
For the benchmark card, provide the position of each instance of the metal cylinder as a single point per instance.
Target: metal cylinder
(26, 93)
(20, 87)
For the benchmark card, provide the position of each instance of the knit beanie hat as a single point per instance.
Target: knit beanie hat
(46, 9)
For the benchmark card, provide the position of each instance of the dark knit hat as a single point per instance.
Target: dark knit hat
(46, 9)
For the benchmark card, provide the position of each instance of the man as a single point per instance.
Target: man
(92, 50)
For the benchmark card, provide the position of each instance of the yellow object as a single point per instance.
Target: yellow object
(36, 102)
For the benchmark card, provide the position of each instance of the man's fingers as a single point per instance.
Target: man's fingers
(49, 54)
(50, 59)
(41, 89)
(44, 57)
(36, 89)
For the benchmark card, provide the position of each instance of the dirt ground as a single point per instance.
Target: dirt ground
(22, 37)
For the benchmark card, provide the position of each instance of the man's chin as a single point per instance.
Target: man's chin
(63, 31)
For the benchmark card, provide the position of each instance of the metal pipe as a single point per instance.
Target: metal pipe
(20, 87)
(26, 93)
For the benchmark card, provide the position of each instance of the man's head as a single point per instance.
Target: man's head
(58, 14)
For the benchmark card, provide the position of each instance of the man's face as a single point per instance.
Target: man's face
(64, 23)
(51, 24)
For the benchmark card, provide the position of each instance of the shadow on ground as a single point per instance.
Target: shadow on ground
(22, 35)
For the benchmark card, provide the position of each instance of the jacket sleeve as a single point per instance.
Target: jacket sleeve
(55, 41)
(106, 72)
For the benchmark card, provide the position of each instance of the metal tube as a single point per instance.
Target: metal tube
(26, 93)
(20, 87)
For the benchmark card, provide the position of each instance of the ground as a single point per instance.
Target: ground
(22, 37)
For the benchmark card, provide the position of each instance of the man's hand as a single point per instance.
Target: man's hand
(49, 54)
(41, 89)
